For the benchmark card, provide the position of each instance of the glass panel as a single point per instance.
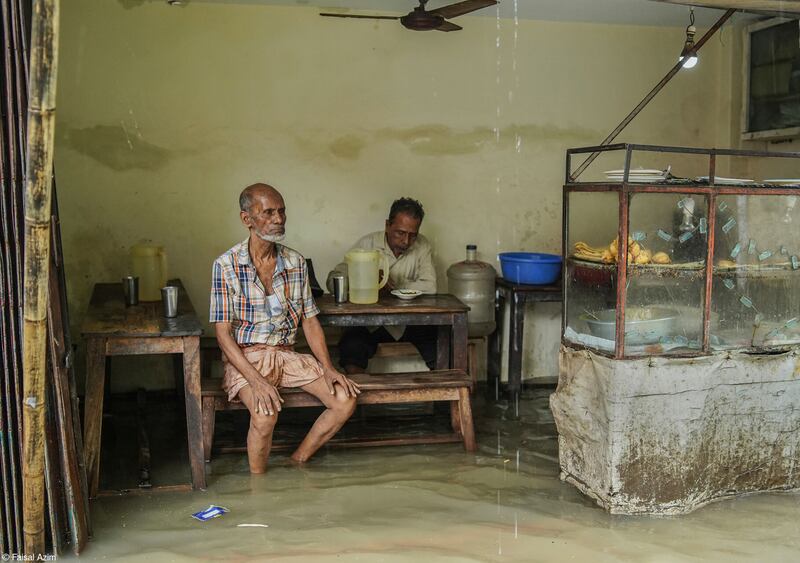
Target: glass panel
(591, 282)
(666, 276)
(755, 299)
(774, 78)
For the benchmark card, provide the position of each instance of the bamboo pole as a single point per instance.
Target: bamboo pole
(39, 167)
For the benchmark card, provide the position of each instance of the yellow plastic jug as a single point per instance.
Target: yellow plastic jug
(149, 263)
(363, 271)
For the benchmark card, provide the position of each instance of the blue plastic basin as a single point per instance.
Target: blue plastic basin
(532, 268)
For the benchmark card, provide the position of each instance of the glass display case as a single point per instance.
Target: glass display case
(659, 261)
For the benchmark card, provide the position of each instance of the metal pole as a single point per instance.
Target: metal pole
(651, 94)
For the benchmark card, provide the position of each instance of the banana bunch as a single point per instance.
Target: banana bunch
(637, 254)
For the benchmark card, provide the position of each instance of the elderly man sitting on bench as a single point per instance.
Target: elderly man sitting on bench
(260, 293)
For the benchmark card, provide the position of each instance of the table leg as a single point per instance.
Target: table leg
(494, 361)
(93, 412)
(194, 420)
(459, 341)
(516, 330)
(443, 347)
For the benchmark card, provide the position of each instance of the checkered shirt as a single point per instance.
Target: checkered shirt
(238, 296)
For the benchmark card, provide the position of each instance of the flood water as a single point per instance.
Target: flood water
(413, 503)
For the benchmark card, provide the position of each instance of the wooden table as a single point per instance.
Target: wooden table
(517, 294)
(112, 329)
(444, 311)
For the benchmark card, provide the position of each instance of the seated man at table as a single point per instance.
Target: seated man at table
(410, 258)
(260, 293)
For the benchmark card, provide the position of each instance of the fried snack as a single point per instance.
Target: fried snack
(643, 258)
(661, 258)
(634, 248)
(726, 264)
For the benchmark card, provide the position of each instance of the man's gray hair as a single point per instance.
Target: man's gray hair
(246, 197)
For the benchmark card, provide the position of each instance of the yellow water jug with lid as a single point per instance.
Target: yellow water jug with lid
(363, 273)
(149, 264)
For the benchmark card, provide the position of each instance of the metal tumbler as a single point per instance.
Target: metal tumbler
(130, 287)
(340, 289)
(169, 298)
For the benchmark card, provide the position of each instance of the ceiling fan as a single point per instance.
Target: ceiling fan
(420, 19)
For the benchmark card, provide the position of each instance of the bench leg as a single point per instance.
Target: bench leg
(209, 414)
(455, 417)
(467, 428)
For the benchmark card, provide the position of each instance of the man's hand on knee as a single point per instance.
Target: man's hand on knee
(332, 377)
(266, 399)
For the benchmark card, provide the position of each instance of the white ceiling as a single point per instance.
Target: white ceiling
(627, 12)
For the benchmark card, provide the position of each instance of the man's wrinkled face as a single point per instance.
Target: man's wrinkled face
(401, 232)
(267, 217)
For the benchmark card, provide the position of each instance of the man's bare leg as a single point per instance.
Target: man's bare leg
(259, 435)
(339, 408)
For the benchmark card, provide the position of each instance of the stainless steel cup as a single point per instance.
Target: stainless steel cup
(130, 287)
(169, 298)
(340, 289)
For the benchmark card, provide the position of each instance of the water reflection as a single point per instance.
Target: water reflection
(429, 503)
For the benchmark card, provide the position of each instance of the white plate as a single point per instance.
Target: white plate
(639, 179)
(635, 172)
(727, 181)
(406, 293)
(786, 181)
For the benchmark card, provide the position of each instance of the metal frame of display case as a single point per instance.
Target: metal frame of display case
(624, 190)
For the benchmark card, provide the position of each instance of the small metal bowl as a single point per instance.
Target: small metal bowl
(643, 325)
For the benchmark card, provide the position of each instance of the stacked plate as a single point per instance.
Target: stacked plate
(720, 181)
(638, 175)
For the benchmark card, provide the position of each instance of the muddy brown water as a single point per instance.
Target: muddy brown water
(414, 503)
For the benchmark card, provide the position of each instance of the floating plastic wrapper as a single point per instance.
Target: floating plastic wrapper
(784, 251)
(639, 236)
(729, 224)
(664, 235)
(728, 283)
(736, 250)
(746, 301)
(751, 246)
(685, 236)
(723, 205)
(211, 512)
(795, 263)
(702, 226)
(764, 255)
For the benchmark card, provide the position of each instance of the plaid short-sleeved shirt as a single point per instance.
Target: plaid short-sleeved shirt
(238, 296)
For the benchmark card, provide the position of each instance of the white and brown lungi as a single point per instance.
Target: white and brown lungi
(281, 366)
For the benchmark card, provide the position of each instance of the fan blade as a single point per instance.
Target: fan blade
(360, 16)
(461, 8)
(448, 26)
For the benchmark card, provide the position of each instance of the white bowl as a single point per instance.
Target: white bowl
(406, 293)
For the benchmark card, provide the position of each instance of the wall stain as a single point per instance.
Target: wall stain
(440, 140)
(115, 147)
(348, 147)
(128, 4)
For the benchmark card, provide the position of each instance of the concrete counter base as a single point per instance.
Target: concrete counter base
(666, 436)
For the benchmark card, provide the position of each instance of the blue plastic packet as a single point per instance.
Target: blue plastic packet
(210, 512)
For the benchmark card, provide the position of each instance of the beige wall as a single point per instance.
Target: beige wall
(164, 114)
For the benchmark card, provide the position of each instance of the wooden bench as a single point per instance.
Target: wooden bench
(441, 385)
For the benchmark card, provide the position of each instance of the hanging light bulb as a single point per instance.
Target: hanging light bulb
(689, 55)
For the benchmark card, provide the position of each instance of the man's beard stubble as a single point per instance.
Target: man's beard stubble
(271, 238)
